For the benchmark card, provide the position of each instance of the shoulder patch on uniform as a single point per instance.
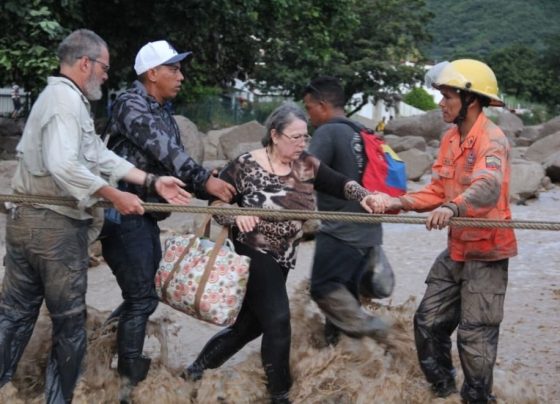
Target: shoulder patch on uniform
(493, 162)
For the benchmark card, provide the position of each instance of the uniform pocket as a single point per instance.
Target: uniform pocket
(446, 172)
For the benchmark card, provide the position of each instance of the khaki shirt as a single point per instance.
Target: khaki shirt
(60, 154)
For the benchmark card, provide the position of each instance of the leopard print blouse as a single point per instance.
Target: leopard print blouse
(258, 188)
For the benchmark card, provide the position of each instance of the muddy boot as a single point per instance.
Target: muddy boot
(193, 372)
(132, 372)
(444, 388)
(343, 310)
(332, 333)
(281, 398)
(216, 351)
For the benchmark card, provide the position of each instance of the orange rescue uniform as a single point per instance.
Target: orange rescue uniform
(473, 175)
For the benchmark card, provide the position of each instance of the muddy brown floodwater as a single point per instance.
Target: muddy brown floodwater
(355, 371)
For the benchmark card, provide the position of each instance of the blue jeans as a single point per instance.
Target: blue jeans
(46, 258)
(132, 250)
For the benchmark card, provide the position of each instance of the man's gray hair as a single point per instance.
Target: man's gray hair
(79, 43)
(281, 117)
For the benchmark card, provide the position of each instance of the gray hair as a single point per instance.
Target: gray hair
(281, 117)
(79, 43)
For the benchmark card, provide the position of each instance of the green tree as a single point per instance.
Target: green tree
(518, 70)
(549, 93)
(364, 43)
(29, 34)
(419, 98)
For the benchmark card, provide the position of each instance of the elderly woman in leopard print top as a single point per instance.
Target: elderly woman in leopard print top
(281, 175)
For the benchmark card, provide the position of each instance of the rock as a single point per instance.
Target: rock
(399, 144)
(529, 134)
(10, 127)
(434, 143)
(214, 164)
(518, 152)
(511, 124)
(212, 147)
(191, 138)
(550, 127)
(10, 133)
(241, 148)
(547, 184)
(552, 166)
(526, 179)
(543, 148)
(429, 125)
(250, 132)
(523, 141)
(417, 163)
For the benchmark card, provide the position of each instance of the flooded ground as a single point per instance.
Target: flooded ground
(355, 371)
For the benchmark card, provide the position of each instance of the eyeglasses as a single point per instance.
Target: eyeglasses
(104, 66)
(297, 138)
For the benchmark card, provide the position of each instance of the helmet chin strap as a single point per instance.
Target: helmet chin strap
(466, 100)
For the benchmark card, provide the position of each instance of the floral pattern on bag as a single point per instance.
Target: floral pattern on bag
(224, 290)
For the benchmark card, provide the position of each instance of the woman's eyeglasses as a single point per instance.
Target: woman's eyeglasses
(297, 138)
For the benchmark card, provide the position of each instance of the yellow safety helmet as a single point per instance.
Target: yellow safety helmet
(467, 75)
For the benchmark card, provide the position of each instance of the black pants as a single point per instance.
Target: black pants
(265, 311)
(132, 250)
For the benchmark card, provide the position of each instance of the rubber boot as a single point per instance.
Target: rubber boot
(332, 333)
(343, 310)
(216, 351)
(281, 398)
(378, 279)
(132, 372)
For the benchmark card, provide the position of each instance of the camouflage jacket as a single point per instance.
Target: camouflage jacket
(145, 133)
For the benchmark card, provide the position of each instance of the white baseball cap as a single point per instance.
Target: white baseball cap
(156, 53)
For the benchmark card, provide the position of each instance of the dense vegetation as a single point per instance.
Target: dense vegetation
(282, 44)
(279, 43)
(480, 27)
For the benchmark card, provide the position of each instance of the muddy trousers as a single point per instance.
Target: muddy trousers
(46, 259)
(265, 311)
(132, 249)
(335, 279)
(468, 296)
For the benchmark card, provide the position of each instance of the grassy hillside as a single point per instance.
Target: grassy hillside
(471, 28)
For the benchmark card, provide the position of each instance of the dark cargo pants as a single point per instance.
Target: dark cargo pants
(132, 250)
(468, 295)
(46, 258)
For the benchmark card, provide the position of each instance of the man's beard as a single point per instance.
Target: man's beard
(92, 88)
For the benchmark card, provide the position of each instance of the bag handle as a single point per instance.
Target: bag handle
(198, 234)
(222, 236)
(209, 267)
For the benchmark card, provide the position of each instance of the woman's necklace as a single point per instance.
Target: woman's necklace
(270, 162)
(272, 167)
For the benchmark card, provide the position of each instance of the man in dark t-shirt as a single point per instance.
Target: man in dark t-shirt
(342, 248)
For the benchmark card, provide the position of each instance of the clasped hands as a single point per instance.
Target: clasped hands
(379, 202)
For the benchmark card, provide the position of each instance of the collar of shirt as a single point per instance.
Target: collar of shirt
(63, 79)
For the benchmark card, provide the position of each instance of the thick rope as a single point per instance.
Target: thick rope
(286, 214)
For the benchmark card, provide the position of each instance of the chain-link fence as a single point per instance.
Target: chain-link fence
(221, 111)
